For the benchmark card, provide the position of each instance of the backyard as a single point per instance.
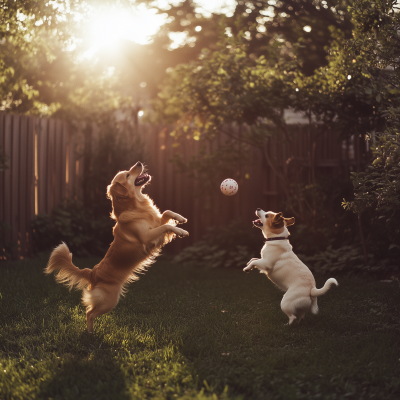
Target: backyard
(295, 103)
(186, 332)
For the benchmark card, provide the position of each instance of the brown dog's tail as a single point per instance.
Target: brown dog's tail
(68, 274)
(319, 292)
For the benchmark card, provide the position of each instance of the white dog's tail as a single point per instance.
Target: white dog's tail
(319, 292)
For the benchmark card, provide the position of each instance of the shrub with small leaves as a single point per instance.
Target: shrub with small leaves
(230, 246)
(349, 260)
(75, 225)
(377, 189)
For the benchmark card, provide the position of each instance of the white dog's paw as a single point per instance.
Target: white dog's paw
(181, 232)
(248, 268)
(253, 259)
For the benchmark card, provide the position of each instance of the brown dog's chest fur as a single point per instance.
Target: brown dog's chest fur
(126, 253)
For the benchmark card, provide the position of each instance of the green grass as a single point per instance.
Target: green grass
(169, 338)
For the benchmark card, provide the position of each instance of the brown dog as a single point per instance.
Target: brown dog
(140, 232)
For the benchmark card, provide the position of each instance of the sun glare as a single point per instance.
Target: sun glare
(139, 23)
(109, 26)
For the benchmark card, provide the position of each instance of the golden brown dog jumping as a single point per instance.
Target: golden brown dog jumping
(139, 234)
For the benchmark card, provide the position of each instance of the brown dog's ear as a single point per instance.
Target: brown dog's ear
(277, 220)
(289, 221)
(116, 190)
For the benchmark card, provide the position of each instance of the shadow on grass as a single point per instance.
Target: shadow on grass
(99, 377)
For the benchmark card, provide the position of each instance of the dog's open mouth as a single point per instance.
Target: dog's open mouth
(258, 223)
(142, 179)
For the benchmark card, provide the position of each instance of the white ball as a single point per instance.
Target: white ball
(229, 187)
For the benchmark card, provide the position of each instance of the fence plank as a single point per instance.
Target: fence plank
(2, 155)
(30, 187)
(71, 164)
(7, 177)
(59, 177)
(51, 176)
(42, 165)
(15, 171)
(23, 182)
(63, 160)
(2, 186)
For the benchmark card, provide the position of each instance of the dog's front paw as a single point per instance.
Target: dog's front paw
(248, 268)
(181, 232)
(181, 220)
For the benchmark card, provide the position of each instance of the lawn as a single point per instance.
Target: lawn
(195, 333)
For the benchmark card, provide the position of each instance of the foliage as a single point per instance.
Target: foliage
(31, 32)
(75, 225)
(349, 260)
(377, 189)
(210, 99)
(230, 246)
(42, 68)
(228, 87)
(351, 95)
(6, 246)
(264, 24)
(168, 338)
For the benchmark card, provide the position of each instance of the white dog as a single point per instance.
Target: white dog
(284, 268)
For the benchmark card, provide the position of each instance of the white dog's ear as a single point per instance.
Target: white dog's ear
(277, 220)
(289, 221)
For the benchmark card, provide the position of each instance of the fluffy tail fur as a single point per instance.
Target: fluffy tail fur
(68, 274)
(319, 292)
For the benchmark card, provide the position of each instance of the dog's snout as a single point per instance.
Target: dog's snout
(139, 164)
(258, 209)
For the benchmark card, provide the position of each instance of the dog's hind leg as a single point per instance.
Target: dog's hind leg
(314, 305)
(295, 307)
(288, 309)
(99, 301)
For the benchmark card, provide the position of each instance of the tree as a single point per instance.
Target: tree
(377, 189)
(228, 87)
(30, 31)
(300, 28)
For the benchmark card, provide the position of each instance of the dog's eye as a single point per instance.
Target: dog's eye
(127, 176)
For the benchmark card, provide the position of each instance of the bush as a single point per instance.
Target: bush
(75, 225)
(348, 259)
(230, 246)
(6, 247)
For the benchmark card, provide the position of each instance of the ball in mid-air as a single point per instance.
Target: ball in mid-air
(229, 187)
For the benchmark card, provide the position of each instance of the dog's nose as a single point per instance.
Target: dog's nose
(258, 209)
(139, 164)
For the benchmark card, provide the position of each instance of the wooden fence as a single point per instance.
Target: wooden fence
(45, 166)
(42, 170)
(259, 184)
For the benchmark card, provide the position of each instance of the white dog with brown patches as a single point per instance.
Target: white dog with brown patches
(284, 268)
